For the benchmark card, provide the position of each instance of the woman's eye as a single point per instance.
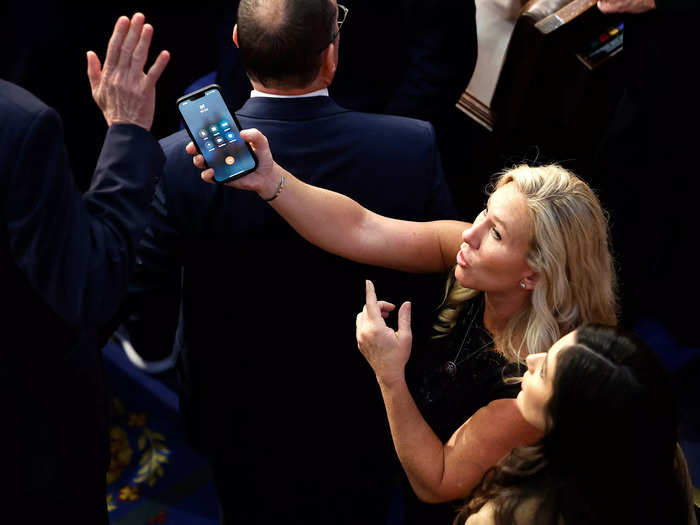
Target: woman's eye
(541, 371)
(496, 235)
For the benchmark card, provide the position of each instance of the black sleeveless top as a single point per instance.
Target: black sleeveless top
(450, 379)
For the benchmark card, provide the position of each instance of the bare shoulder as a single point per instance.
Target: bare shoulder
(485, 516)
(501, 422)
(501, 408)
(524, 513)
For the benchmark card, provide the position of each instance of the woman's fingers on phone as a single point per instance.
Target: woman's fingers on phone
(198, 161)
(208, 175)
(255, 138)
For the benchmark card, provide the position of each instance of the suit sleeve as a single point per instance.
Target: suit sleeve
(78, 251)
(440, 204)
(150, 312)
(442, 57)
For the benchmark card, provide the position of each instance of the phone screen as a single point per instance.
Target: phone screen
(213, 128)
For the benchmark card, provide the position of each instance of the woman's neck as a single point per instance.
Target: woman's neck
(500, 308)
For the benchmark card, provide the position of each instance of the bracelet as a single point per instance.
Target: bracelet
(278, 190)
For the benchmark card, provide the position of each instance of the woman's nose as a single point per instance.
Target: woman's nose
(471, 236)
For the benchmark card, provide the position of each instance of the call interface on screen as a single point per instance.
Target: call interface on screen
(216, 135)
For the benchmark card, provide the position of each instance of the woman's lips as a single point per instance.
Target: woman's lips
(460, 259)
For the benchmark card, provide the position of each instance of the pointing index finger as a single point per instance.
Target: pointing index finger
(371, 301)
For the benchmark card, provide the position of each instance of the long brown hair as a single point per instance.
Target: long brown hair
(610, 451)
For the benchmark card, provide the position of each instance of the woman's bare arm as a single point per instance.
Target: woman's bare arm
(444, 472)
(341, 226)
(437, 472)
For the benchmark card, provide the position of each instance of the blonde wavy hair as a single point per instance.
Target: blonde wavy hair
(569, 250)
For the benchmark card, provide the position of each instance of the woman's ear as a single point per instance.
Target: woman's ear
(235, 35)
(530, 280)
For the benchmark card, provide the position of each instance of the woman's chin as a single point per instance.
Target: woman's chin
(462, 277)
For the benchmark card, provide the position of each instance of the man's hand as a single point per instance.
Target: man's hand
(626, 6)
(263, 180)
(121, 89)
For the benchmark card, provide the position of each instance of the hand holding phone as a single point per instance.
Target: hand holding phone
(216, 134)
(264, 180)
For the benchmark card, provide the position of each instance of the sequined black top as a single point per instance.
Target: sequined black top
(450, 380)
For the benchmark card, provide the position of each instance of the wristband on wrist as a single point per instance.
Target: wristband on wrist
(280, 186)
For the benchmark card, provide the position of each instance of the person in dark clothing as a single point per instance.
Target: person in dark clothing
(412, 58)
(65, 260)
(646, 166)
(268, 395)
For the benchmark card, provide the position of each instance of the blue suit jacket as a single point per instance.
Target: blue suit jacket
(267, 320)
(65, 260)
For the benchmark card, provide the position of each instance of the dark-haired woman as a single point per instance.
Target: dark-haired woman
(609, 453)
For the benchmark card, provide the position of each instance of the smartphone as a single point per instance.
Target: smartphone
(216, 133)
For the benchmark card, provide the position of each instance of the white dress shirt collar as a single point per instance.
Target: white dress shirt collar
(318, 93)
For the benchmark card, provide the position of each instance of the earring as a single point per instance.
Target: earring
(522, 284)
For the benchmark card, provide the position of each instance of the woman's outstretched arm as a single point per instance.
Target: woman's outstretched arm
(437, 471)
(340, 225)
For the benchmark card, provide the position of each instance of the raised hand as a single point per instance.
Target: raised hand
(386, 350)
(263, 180)
(124, 93)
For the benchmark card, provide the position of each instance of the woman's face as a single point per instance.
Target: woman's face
(493, 256)
(536, 388)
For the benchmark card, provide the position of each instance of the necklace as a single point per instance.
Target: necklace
(450, 367)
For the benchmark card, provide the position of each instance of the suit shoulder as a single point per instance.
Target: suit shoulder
(20, 110)
(25, 121)
(19, 103)
(180, 176)
(391, 136)
(177, 161)
(175, 143)
(404, 126)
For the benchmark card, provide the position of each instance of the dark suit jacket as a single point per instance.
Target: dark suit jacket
(410, 57)
(65, 259)
(648, 168)
(269, 365)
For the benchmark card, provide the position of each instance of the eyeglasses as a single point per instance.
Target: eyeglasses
(342, 16)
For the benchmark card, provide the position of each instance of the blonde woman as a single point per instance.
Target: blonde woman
(533, 266)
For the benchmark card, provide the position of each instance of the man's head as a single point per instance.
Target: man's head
(288, 44)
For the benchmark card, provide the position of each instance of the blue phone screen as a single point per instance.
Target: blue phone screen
(216, 134)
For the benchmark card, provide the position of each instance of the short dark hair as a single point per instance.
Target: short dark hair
(285, 53)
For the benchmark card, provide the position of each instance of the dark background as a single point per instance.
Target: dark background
(43, 49)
